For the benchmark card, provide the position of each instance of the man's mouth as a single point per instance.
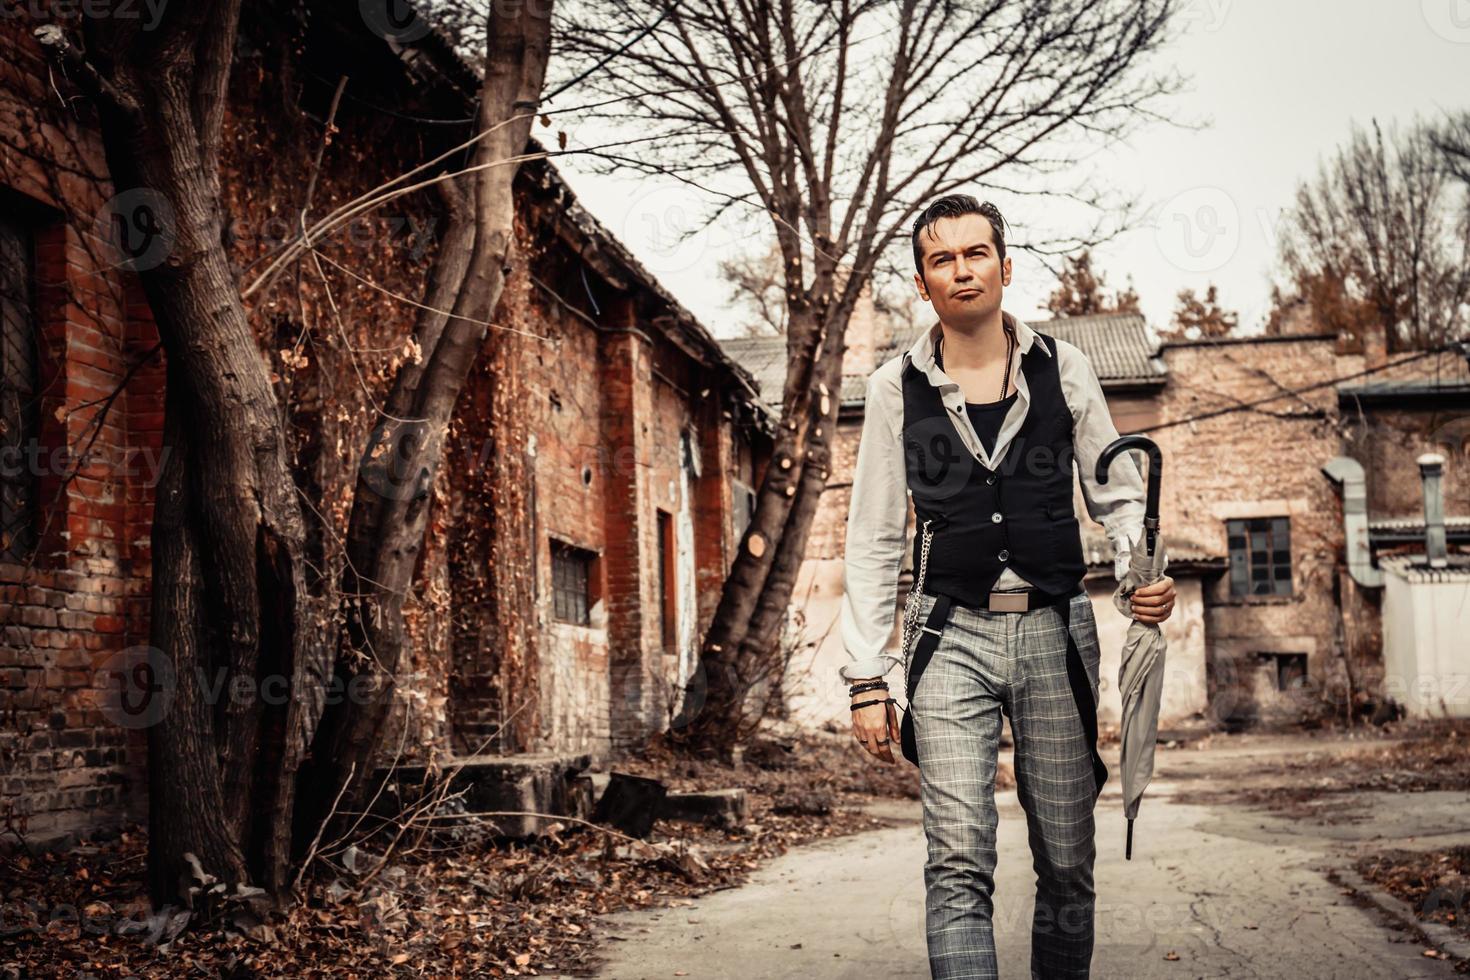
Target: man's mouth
(966, 292)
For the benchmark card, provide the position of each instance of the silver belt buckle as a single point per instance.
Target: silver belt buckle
(1009, 602)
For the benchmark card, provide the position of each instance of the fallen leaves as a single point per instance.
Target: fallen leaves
(509, 909)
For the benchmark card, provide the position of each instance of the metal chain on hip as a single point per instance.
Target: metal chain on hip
(911, 603)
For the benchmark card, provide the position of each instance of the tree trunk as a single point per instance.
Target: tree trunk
(738, 649)
(228, 600)
(391, 502)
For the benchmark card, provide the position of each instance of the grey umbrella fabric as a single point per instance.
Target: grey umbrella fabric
(1140, 677)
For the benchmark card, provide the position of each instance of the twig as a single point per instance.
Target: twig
(321, 828)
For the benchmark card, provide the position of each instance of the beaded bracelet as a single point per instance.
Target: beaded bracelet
(859, 686)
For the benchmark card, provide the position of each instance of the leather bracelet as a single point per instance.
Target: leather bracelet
(868, 686)
(864, 704)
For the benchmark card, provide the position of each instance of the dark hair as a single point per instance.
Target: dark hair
(952, 206)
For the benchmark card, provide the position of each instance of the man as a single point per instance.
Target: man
(981, 421)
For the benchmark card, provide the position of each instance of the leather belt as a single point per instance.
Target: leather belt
(1021, 600)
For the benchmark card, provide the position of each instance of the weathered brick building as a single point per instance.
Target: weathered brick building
(629, 427)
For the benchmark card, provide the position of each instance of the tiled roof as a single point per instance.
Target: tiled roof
(765, 360)
(1413, 523)
(1118, 345)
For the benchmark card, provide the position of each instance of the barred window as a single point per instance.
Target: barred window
(571, 572)
(667, 576)
(18, 396)
(1260, 556)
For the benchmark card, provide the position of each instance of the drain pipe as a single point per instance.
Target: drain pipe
(1431, 473)
(1348, 472)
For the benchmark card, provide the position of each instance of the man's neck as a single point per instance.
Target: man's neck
(976, 346)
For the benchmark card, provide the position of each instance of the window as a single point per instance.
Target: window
(18, 409)
(571, 571)
(1290, 669)
(744, 501)
(1260, 556)
(667, 577)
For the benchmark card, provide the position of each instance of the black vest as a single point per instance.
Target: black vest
(1019, 515)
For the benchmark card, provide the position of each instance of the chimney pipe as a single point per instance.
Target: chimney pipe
(1349, 473)
(1431, 472)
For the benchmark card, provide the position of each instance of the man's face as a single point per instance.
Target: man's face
(962, 277)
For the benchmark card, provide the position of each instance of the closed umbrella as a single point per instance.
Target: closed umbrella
(1141, 671)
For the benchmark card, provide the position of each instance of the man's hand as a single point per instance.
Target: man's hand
(1154, 603)
(876, 726)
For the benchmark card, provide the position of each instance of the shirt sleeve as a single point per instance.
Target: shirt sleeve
(877, 517)
(1119, 504)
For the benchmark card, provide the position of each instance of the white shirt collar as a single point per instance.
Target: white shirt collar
(921, 352)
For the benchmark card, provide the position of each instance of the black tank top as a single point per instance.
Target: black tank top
(987, 417)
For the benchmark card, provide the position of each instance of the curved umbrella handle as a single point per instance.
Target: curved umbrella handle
(1155, 477)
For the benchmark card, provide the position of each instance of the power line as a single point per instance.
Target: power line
(1463, 347)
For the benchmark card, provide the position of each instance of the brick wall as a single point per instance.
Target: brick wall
(1261, 463)
(596, 425)
(74, 601)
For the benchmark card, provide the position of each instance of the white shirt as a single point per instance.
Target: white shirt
(877, 513)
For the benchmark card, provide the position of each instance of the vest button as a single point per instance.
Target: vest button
(990, 478)
(1004, 554)
(995, 518)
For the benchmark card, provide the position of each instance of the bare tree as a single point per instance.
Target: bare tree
(841, 120)
(756, 283)
(1385, 222)
(229, 590)
(390, 505)
(1452, 140)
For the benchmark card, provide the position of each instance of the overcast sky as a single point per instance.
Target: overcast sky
(1278, 86)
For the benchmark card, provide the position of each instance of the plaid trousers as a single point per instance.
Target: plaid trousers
(985, 663)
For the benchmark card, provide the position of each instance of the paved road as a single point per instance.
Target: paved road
(1210, 892)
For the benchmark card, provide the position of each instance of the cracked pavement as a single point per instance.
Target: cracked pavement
(1213, 890)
